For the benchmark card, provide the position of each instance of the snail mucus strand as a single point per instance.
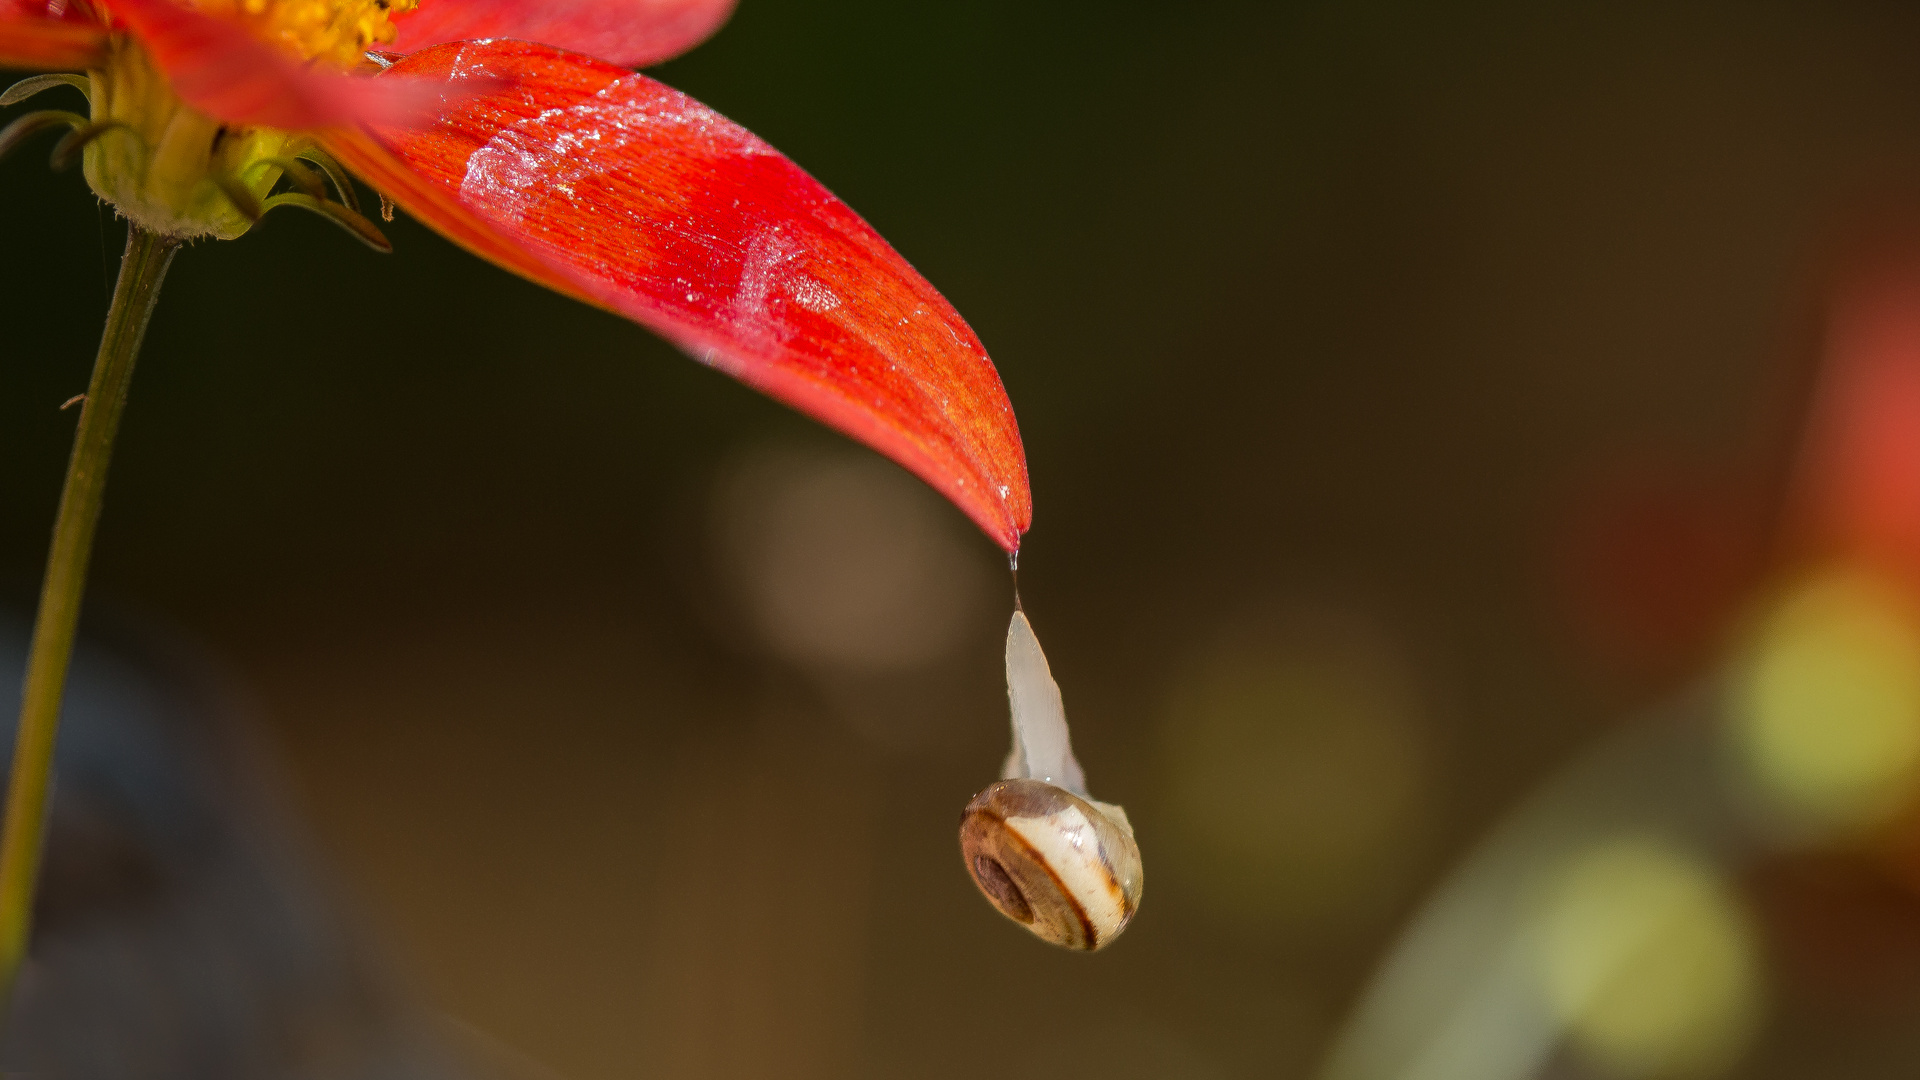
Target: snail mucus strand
(1043, 851)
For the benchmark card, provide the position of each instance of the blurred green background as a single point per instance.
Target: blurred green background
(1314, 315)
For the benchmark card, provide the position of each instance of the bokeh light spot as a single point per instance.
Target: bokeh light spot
(1297, 770)
(843, 562)
(1647, 959)
(1828, 706)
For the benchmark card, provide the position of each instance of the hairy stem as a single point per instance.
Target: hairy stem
(141, 271)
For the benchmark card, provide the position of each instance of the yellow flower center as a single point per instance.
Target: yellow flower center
(337, 33)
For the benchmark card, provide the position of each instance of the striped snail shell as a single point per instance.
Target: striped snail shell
(1064, 867)
(1049, 856)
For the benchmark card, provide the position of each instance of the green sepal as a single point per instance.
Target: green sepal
(342, 183)
(26, 88)
(299, 175)
(33, 123)
(336, 213)
(241, 198)
(68, 150)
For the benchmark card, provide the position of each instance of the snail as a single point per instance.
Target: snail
(1040, 848)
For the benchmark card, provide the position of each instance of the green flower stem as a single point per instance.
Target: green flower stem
(141, 271)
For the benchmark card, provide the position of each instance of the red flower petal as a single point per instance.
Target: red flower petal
(615, 189)
(48, 36)
(221, 69)
(632, 33)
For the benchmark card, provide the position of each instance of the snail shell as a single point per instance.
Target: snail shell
(1064, 867)
(1048, 855)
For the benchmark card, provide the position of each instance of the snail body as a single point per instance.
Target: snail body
(1045, 853)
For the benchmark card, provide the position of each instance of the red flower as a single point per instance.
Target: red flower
(576, 173)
